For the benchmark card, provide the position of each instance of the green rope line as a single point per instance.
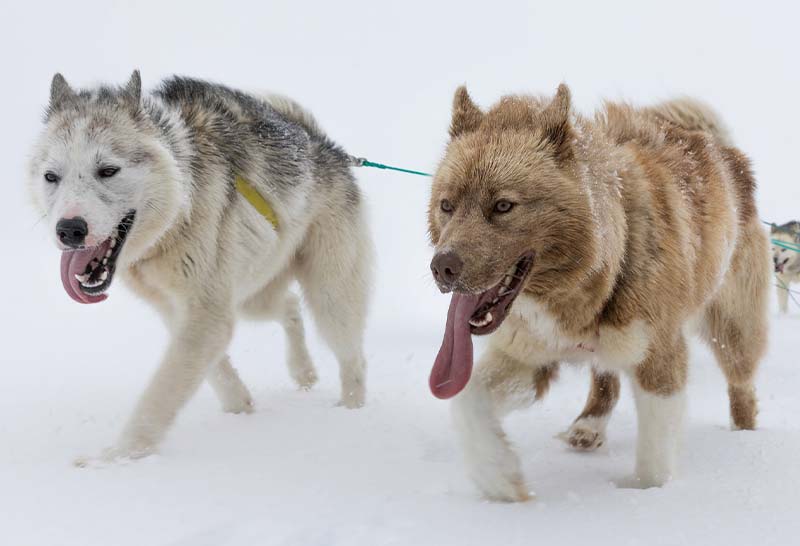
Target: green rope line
(787, 246)
(363, 162)
(777, 242)
(789, 290)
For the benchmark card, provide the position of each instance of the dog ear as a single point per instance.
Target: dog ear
(60, 93)
(133, 90)
(555, 119)
(466, 115)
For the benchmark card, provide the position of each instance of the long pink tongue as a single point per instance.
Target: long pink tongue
(453, 365)
(74, 262)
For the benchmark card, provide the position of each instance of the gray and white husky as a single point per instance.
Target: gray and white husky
(144, 187)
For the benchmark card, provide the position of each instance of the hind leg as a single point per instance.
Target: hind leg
(334, 269)
(588, 432)
(276, 302)
(736, 326)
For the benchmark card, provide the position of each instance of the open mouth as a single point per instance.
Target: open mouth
(779, 266)
(477, 314)
(86, 273)
(494, 303)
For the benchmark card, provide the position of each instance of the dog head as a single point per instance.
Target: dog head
(784, 258)
(105, 182)
(508, 212)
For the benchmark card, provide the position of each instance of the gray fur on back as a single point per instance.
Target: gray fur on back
(275, 137)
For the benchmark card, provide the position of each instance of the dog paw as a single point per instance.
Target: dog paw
(351, 402)
(584, 435)
(114, 456)
(353, 396)
(305, 376)
(242, 405)
(502, 487)
(640, 482)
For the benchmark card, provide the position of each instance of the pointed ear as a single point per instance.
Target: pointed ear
(60, 93)
(556, 122)
(133, 90)
(466, 115)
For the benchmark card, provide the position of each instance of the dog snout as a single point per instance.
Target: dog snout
(446, 268)
(72, 232)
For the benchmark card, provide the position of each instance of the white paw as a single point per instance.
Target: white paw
(501, 484)
(641, 481)
(585, 434)
(353, 396)
(241, 405)
(303, 374)
(115, 455)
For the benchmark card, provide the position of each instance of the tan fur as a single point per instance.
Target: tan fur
(640, 220)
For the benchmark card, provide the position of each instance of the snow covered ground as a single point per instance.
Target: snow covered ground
(300, 471)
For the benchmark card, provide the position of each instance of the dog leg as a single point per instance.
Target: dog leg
(588, 432)
(499, 385)
(783, 295)
(736, 324)
(198, 342)
(659, 390)
(300, 367)
(334, 269)
(275, 302)
(232, 393)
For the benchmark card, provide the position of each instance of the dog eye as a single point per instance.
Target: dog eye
(446, 206)
(503, 206)
(107, 172)
(51, 177)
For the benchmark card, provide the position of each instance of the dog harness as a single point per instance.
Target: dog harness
(249, 192)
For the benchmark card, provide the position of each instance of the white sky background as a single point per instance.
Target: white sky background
(380, 80)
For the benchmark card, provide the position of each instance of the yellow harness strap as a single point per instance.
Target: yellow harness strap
(250, 193)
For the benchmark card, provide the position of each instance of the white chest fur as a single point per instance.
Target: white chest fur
(532, 335)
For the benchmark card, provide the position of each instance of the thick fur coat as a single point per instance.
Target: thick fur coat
(617, 234)
(143, 185)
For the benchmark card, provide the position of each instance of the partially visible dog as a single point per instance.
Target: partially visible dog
(601, 240)
(786, 260)
(144, 186)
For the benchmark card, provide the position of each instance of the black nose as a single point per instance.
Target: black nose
(72, 232)
(446, 267)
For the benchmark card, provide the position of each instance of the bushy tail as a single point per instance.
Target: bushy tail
(294, 112)
(693, 115)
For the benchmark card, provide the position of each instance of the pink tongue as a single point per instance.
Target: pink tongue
(74, 262)
(453, 365)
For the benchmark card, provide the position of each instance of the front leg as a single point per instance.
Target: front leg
(198, 342)
(499, 385)
(659, 385)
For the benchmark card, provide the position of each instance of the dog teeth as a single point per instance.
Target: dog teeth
(105, 261)
(487, 319)
(94, 284)
(104, 275)
(113, 244)
(81, 278)
(108, 252)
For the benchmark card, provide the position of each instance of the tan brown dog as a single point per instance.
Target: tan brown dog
(612, 236)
